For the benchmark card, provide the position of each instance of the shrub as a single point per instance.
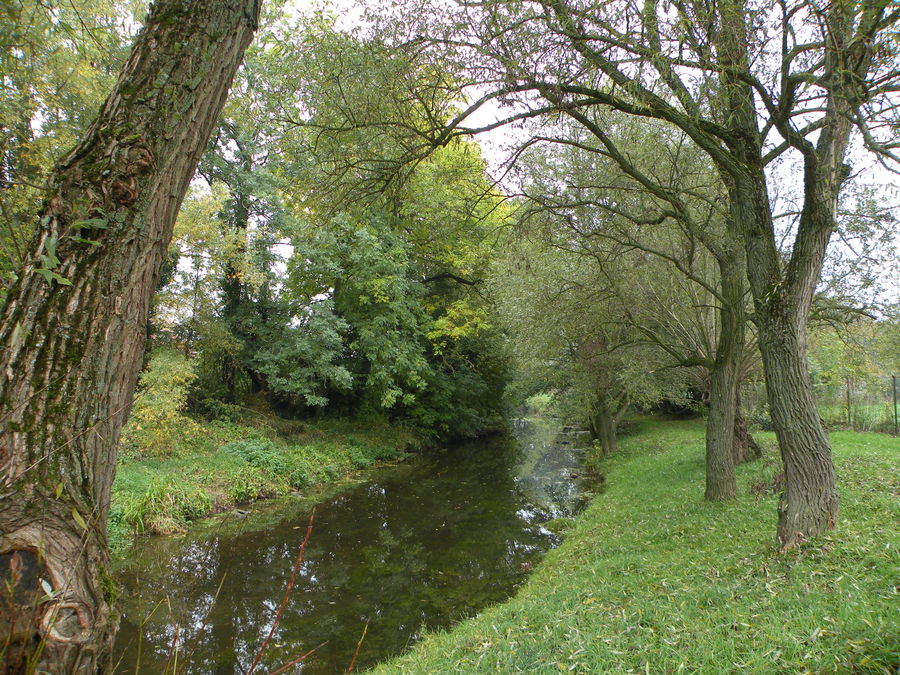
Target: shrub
(358, 457)
(247, 485)
(219, 411)
(157, 426)
(300, 476)
(259, 452)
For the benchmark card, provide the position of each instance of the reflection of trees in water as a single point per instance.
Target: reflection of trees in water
(543, 473)
(423, 544)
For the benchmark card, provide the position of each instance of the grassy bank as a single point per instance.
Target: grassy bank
(652, 579)
(226, 464)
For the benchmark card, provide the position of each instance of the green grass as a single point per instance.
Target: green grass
(653, 579)
(229, 464)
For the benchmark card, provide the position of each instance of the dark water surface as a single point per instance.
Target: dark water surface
(420, 544)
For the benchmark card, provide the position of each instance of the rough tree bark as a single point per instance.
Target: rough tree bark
(809, 504)
(745, 448)
(72, 343)
(721, 483)
(782, 294)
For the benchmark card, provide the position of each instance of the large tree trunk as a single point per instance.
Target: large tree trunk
(809, 504)
(745, 448)
(721, 484)
(782, 294)
(72, 347)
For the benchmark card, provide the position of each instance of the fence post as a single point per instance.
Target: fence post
(849, 420)
(894, 383)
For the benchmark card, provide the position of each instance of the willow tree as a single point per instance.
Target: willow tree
(649, 190)
(753, 83)
(73, 329)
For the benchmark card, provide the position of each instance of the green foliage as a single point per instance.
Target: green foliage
(230, 464)
(362, 128)
(302, 360)
(261, 453)
(59, 61)
(855, 357)
(379, 311)
(246, 485)
(653, 579)
(119, 532)
(539, 404)
(368, 268)
(157, 426)
(165, 506)
(571, 330)
(415, 343)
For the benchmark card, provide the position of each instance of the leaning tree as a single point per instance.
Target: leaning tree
(73, 328)
(657, 194)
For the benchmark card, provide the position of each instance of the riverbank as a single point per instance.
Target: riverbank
(422, 542)
(654, 579)
(226, 465)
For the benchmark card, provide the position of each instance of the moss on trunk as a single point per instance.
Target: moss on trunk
(73, 328)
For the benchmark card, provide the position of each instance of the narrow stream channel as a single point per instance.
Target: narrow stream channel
(421, 544)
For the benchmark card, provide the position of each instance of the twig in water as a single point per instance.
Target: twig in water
(297, 660)
(284, 600)
(358, 645)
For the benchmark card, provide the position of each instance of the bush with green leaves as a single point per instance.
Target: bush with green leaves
(157, 427)
(246, 485)
(260, 453)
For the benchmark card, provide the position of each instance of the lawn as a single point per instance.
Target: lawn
(652, 579)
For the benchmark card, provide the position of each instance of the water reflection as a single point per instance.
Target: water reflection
(421, 544)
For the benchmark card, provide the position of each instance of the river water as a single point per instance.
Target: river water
(420, 544)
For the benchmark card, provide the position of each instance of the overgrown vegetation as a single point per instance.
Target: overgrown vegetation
(654, 579)
(226, 464)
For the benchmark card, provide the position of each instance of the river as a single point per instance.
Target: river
(416, 545)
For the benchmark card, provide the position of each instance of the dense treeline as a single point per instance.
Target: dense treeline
(344, 252)
(293, 287)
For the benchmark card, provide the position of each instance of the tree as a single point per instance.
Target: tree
(752, 83)
(660, 196)
(74, 326)
(404, 276)
(243, 157)
(401, 249)
(572, 333)
(58, 62)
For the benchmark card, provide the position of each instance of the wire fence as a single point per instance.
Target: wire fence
(869, 404)
(861, 404)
